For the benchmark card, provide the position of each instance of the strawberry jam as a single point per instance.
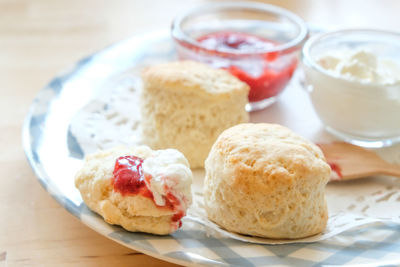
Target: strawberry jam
(235, 40)
(336, 170)
(129, 177)
(174, 204)
(268, 82)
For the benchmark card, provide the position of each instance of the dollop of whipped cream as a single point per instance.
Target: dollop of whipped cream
(361, 65)
(170, 172)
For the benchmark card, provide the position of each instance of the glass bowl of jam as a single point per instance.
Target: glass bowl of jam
(258, 43)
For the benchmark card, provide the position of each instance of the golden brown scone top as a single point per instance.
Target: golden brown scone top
(289, 156)
(192, 76)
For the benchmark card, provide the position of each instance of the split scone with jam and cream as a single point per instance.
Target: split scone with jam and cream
(185, 105)
(138, 188)
(264, 180)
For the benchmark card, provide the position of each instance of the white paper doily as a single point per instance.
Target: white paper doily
(112, 118)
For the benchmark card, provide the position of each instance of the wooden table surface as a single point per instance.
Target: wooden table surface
(40, 38)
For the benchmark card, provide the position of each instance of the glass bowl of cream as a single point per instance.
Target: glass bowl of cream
(353, 79)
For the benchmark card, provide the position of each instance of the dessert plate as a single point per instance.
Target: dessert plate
(55, 154)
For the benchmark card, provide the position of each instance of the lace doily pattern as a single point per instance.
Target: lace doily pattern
(113, 118)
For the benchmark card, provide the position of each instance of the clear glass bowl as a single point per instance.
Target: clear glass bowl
(363, 109)
(260, 44)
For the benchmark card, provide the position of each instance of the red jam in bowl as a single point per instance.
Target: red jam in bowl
(129, 179)
(234, 40)
(274, 75)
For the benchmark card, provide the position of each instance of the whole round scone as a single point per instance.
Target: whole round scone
(138, 188)
(264, 180)
(185, 105)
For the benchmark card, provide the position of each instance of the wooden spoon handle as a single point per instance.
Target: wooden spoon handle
(391, 170)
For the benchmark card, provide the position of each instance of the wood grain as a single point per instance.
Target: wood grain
(353, 162)
(40, 38)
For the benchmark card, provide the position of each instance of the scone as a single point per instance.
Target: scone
(185, 105)
(138, 188)
(264, 180)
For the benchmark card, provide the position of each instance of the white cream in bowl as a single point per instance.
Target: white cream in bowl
(356, 93)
